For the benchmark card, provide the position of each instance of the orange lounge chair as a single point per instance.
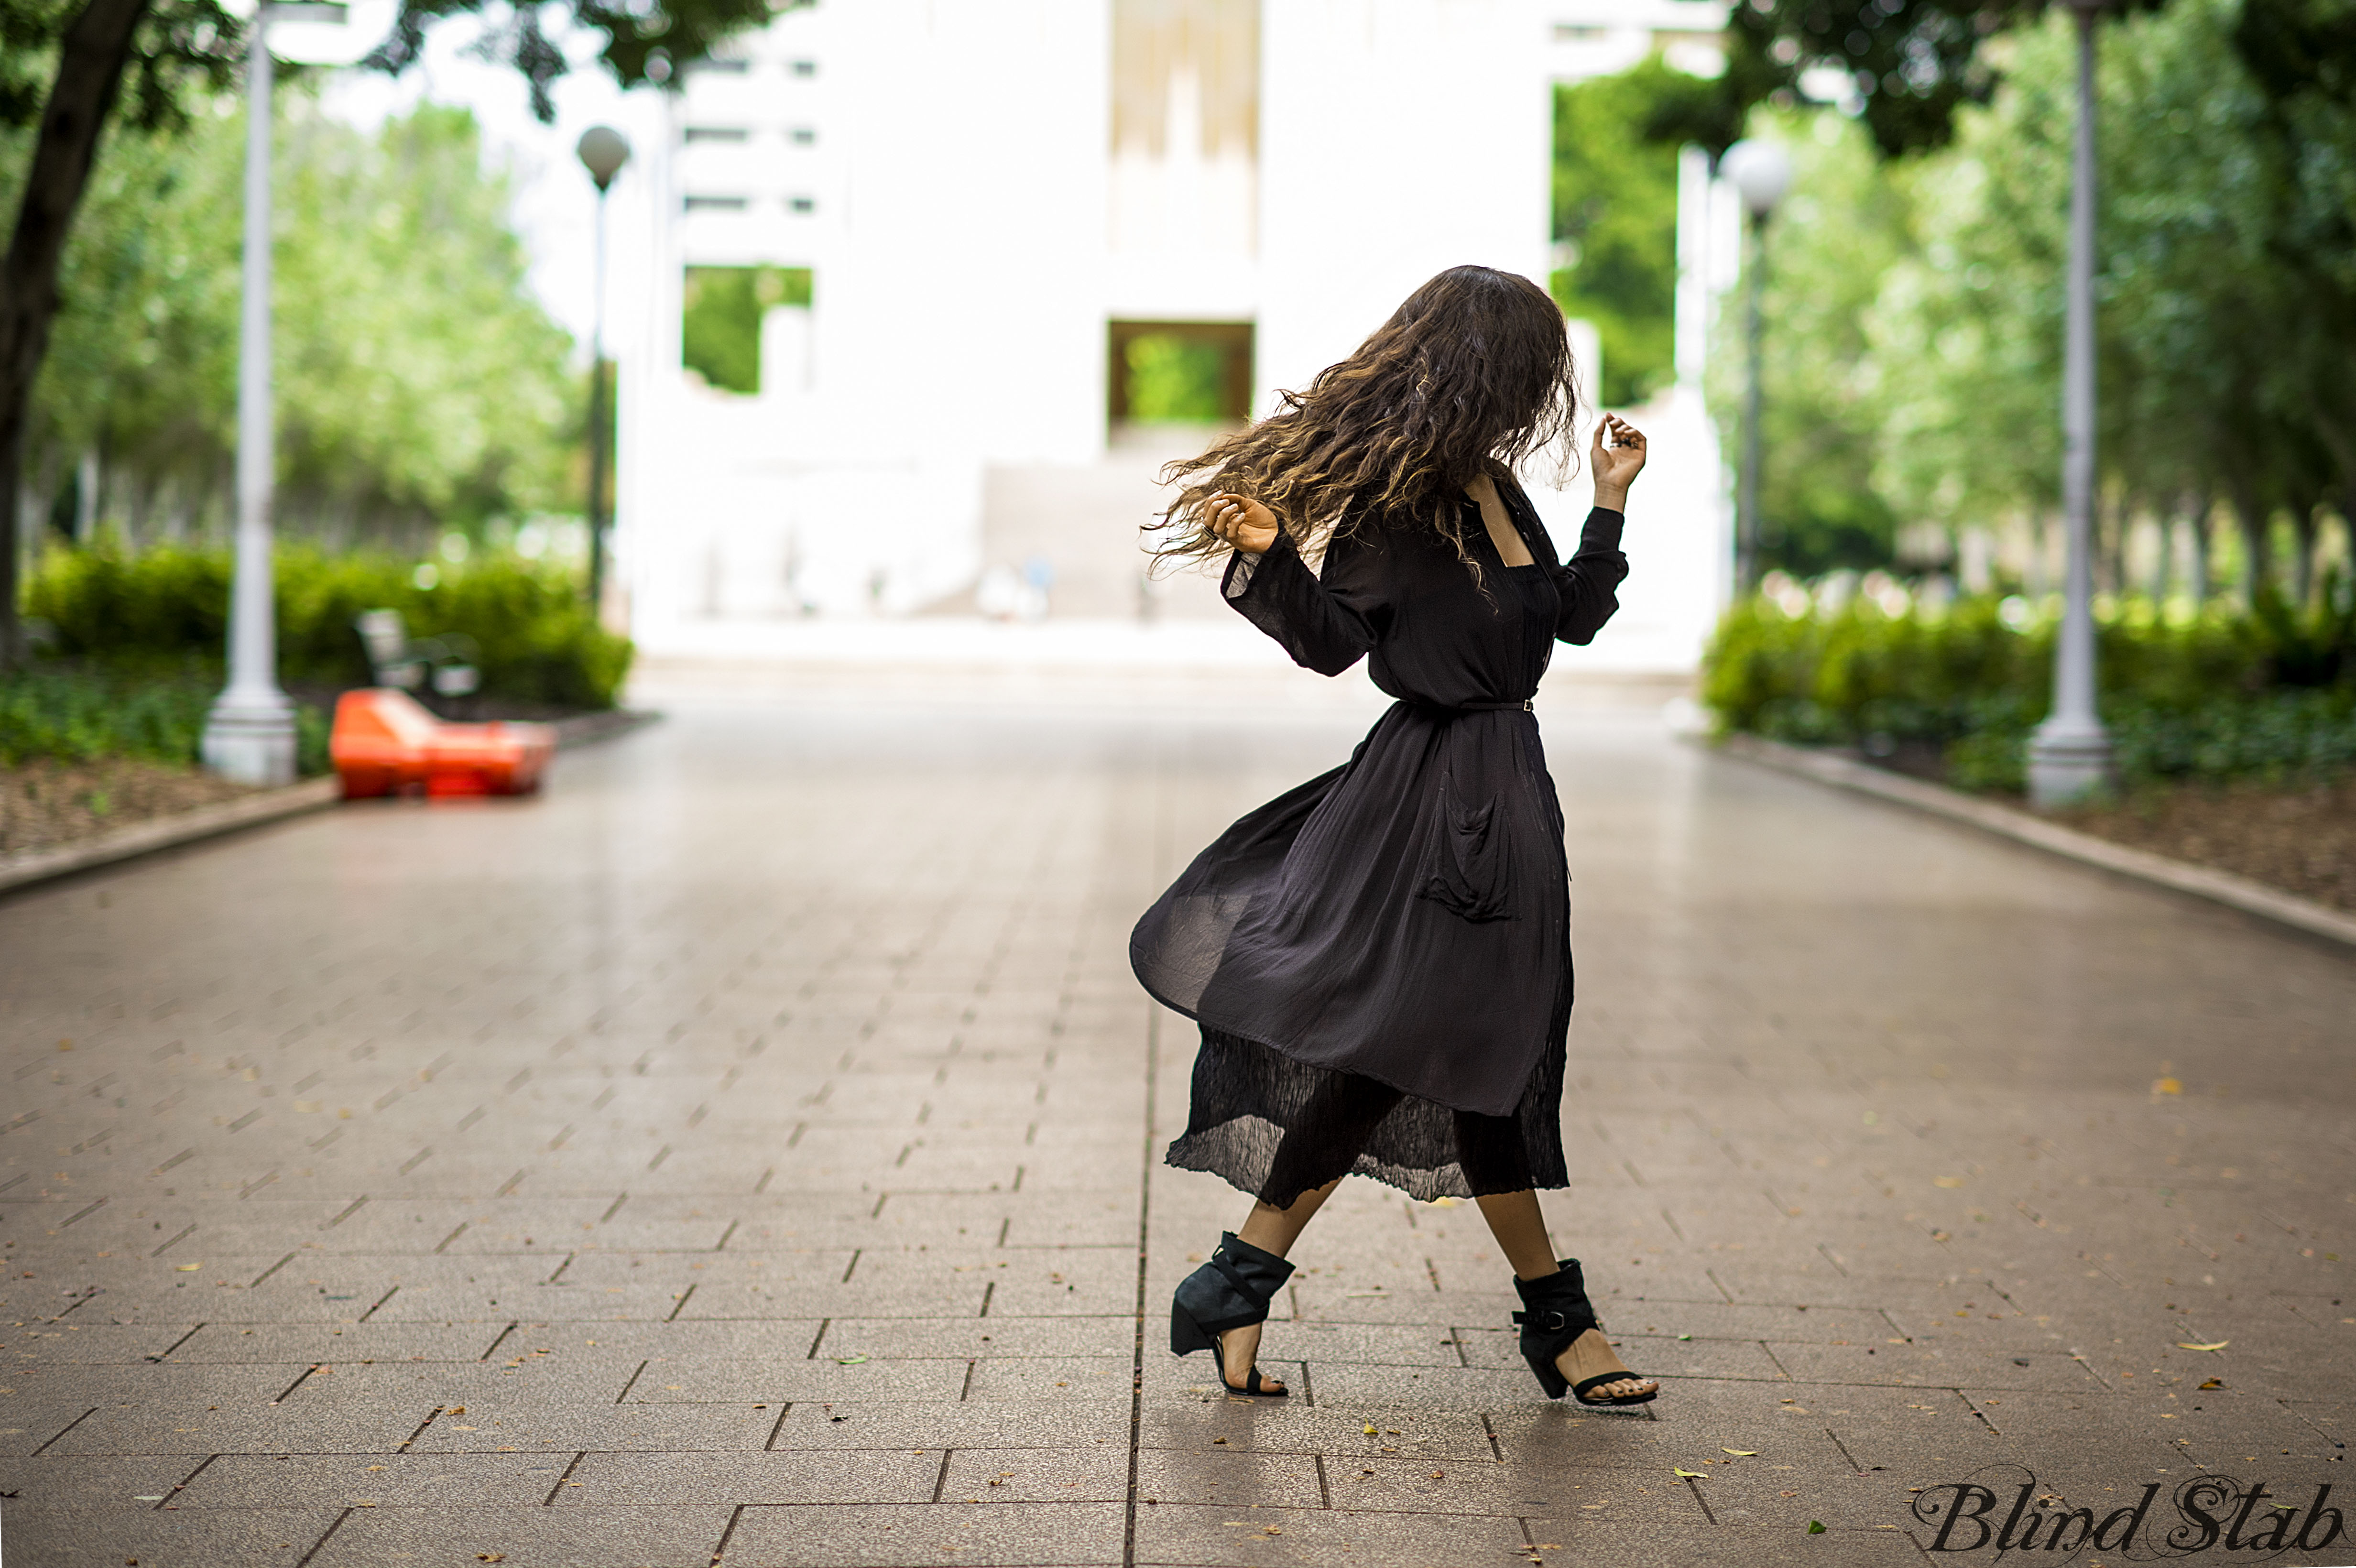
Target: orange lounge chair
(385, 742)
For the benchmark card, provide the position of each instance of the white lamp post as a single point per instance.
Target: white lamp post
(250, 733)
(603, 151)
(1761, 173)
(2069, 756)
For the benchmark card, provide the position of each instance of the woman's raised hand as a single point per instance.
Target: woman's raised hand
(1241, 521)
(1617, 461)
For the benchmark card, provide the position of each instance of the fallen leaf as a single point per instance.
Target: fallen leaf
(1815, 1528)
(455, 1410)
(188, 1268)
(1370, 1431)
(1689, 1475)
(490, 1556)
(1685, 1336)
(2187, 1345)
(849, 1360)
(1741, 1453)
(1435, 1475)
(2167, 1087)
(2214, 1383)
(1946, 1181)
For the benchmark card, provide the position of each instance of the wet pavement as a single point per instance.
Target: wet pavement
(749, 1152)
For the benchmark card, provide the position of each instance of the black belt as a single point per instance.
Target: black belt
(1514, 705)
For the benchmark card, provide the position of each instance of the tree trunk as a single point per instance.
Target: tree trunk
(2257, 553)
(91, 58)
(2202, 505)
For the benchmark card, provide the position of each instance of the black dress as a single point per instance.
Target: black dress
(1381, 959)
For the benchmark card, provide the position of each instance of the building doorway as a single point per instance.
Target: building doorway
(1178, 372)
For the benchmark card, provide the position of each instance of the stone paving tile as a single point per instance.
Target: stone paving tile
(962, 1425)
(1931, 1366)
(1040, 1475)
(683, 1380)
(110, 1383)
(1002, 1535)
(41, 1343)
(1580, 1541)
(849, 1475)
(162, 1426)
(84, 1481)
(1220, 1536)
(679, 1537)
(265, 1538)
(370, 1480)
(303, 1343)
(1210, 1420)
(974, 1338)
(569, 1428)
(1221, 1477)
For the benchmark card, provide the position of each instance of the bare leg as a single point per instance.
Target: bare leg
(1271, 1229)
(1520, 1228)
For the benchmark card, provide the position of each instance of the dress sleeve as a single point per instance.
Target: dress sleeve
(1326, 624)
(1587, 580)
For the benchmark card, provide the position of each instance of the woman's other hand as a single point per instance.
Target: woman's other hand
(1617, 461)
(1241, 521)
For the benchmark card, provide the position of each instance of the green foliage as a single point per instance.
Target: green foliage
(1850, 218)
(1911, 64)
(643, 44)
(1176, 379)
(2226, 288)
(719, 320)
(1615, 210)
(2207, 697)
(538, 642)
(80, 713)
(177, 48)
(420, 385)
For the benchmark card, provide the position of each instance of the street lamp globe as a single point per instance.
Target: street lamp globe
(603, 151)
(1761, 172)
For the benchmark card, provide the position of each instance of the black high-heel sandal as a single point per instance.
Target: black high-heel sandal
(1558, 1314)
(1231, 1291)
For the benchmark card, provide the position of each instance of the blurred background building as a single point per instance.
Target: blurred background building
(940, 287)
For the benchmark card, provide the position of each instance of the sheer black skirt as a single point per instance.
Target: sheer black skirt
(1275, 1128)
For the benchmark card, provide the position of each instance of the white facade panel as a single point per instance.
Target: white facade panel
(948, 173)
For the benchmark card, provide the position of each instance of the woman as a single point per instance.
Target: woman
(1381, 959)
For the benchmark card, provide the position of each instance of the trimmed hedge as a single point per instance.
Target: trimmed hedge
(80, 715)
(2269, 695)
(164, 607)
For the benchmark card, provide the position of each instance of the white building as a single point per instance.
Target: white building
(992, 196)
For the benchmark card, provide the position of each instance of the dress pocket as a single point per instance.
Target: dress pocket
(1465, 868)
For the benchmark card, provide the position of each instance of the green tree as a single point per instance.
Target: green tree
(1616, 218)
(2227, 295)
(169, 48)
(421, 385)
(1851, 220)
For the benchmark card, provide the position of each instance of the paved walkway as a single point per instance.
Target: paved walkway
(749, 1153)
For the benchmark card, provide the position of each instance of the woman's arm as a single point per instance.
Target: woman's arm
(1588, 580)
(1326, 626)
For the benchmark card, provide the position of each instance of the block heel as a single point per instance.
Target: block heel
(1231, 1291)
(1557, 1313)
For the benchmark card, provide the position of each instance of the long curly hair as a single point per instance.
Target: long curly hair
(1472, 375)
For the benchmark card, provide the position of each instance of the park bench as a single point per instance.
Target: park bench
(445, 664)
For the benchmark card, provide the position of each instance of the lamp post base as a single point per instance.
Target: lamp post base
(251, 741)
(2068, 763)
